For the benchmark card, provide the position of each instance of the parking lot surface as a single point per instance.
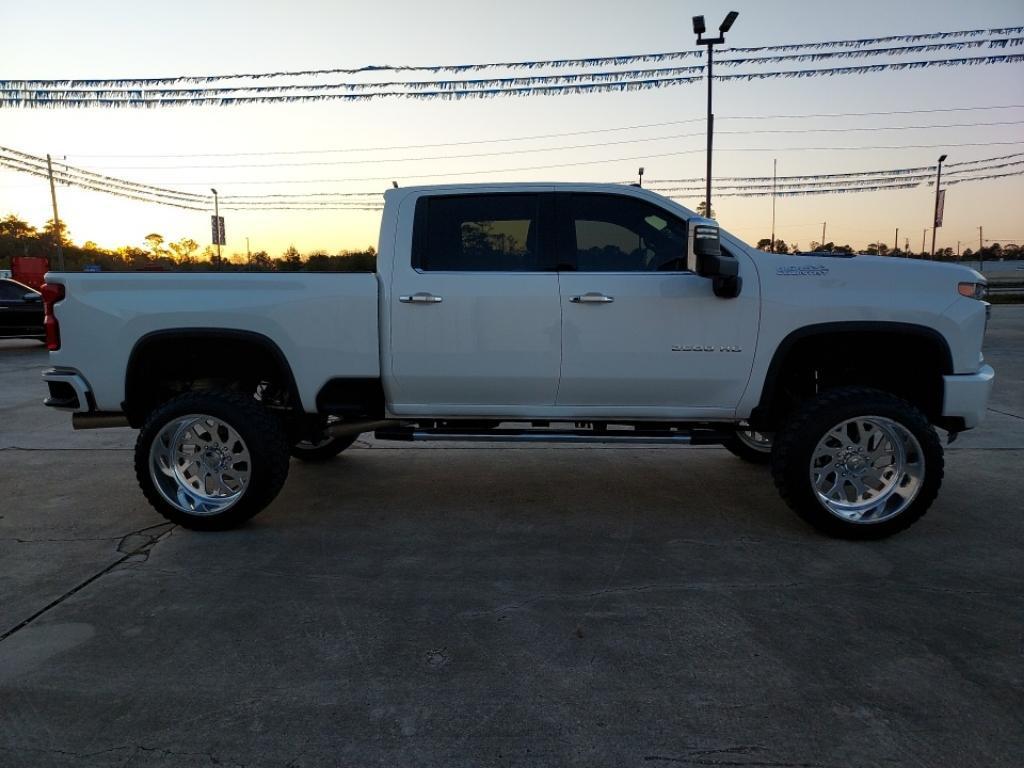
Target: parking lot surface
(411, 605)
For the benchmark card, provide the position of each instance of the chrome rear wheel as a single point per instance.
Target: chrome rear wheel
(200, 464)
(210, 460)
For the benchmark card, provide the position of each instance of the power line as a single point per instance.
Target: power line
(790, 116)
(421, 158)
(604, 161)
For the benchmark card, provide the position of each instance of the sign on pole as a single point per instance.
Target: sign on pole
(939, 205)
(217, 230)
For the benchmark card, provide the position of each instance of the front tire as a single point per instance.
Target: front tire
(211, 460)
(858, 463)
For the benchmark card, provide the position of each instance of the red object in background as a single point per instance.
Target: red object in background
(30, 270)
(51, 295)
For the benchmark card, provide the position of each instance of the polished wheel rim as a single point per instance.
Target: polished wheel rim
(200, 464)
(867, 470)
(759, 441)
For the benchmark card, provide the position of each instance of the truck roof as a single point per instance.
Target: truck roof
(538, 186)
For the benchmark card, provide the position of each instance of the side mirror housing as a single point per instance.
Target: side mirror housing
(704, 256)
(32, 296)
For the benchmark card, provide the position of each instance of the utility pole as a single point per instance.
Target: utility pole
(56, 218)
(937, 220)
(823, 234)
(958, 250)
(896, 242)
(981, 244)
(248, 253)
(775, 168)
(699, 29)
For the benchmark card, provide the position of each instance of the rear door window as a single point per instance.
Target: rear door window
(479, 233)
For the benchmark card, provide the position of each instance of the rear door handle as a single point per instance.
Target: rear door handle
(592, 298)
(421, 298)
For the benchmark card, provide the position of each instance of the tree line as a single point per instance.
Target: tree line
(155, 253)
(993, 252)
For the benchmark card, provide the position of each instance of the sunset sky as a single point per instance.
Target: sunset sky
(104, 39)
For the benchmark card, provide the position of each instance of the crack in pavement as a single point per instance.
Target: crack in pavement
(136, 748)
(128, 546)
(1006, 413)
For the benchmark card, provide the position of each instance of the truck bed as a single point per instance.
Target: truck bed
(325, 324)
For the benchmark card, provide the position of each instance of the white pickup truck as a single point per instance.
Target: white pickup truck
(561, 312)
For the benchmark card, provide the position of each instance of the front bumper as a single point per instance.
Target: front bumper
(68, 391)
(965, 396)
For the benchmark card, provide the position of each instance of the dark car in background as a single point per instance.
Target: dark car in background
(21, 311)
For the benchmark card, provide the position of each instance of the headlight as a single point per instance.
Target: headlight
(973, 290)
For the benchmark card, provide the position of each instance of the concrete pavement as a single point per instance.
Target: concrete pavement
(432, 605)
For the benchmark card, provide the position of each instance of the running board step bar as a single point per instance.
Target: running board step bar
(620, 436)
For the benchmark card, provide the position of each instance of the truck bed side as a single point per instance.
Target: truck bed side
(325, 325)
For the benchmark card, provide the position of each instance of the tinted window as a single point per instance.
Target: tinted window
(478, 233)
(11, 292)
(623, 234)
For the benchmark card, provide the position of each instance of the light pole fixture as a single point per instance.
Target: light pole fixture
(937, 222)
(640, 182)
(216, 223)
(699, 29)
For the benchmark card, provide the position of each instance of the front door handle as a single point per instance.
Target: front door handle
(592, 298)
(421, 298)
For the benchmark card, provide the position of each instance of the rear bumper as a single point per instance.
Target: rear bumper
(69, 391)
(966, 396)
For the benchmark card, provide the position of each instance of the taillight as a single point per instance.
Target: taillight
(52, 293)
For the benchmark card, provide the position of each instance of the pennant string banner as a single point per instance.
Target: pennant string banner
(57, 99)
(967, 41)
(39, 88)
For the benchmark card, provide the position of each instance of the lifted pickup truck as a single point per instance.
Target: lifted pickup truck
(568, 312)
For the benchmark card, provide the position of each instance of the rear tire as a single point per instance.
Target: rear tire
(324, 450)
(858, 463)
(318, 446)
(751, 446)
(211, 460)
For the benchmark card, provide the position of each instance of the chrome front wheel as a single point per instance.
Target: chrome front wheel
(867, 469)
(858, 462)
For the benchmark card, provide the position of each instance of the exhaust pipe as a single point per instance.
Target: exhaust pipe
(99, 420)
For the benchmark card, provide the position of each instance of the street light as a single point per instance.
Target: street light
(216, 223)
(699, 29)
(640, 181)
(937, 222)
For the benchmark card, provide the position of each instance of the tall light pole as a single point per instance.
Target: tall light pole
(775, 168)
(699, 29)
(640, 180)
(216, 223)
(937, 222)
(896, 243)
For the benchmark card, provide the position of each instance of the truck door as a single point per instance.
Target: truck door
(475, 319)
(639, 331)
